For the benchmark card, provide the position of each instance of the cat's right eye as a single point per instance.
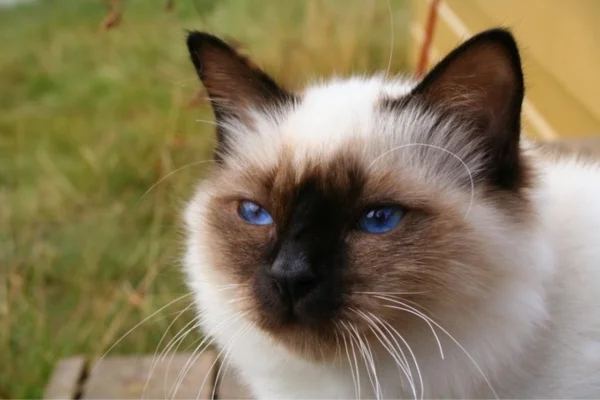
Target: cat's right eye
(254, 214)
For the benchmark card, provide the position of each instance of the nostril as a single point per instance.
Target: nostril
(279, 287)
(301, 286)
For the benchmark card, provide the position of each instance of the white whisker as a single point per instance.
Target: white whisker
(418, 314)
(183, 332)
(392, 293)
(392, 35)
(154, 356)
(412, 310)
(170, 174)
(381, 337)
(210, 337)
(137, 325)
(369, 362)
(338, 349)
(208, 122)
(445, 151)
(177, 340)
(357, 382)
(229, 347)
(237, 299)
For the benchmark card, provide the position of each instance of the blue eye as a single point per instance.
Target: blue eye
(380, 219)
(254, 214)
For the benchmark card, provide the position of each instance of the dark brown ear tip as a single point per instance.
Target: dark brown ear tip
(503, 45)
(502, 35)
(498, 36)
(197, 40)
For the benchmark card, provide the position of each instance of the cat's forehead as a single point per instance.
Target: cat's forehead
(342, 126)
(332, 112)
(327, 118)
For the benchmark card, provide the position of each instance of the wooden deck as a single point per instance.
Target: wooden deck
(128, 377)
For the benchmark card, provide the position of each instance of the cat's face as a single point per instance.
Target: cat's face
(360, 203)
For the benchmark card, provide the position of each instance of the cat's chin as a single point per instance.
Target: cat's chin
(307, 338)
(310, 343)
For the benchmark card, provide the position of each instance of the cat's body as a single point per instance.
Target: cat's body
(500, 252)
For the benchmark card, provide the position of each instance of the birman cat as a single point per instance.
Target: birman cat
(375, 237)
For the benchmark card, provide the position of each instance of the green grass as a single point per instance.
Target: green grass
(90, 120)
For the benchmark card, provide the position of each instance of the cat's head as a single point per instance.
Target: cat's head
(359, 200)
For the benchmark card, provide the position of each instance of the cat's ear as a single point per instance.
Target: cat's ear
(482, 81)
(234, 84)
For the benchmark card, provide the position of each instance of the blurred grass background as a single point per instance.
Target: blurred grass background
(90, 119)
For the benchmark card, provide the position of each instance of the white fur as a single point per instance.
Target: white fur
(537, 335)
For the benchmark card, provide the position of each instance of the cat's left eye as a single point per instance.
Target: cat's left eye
(254, 214)
(381, 219)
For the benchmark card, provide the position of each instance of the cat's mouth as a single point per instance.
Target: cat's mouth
(296, 302)
(313, 319)
(315, 329)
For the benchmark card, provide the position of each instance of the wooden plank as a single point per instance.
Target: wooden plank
(64, 383)
(230, 387)
(124, 377)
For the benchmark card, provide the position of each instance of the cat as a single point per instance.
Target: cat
(374, 237)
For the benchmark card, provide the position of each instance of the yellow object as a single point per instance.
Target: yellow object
(560, 47)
